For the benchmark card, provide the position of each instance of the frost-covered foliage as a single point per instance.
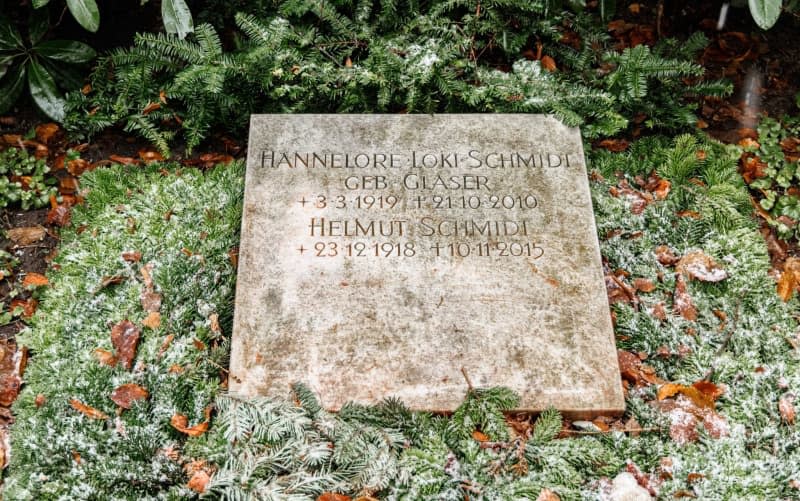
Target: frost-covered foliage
(60, 453)
(367, 56)
(270, 449)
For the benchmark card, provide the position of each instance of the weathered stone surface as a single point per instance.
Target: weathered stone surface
(380, 254)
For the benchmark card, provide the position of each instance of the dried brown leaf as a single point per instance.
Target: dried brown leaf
(152, 320)
(125, 395)
(26, 235)
(199, 481)
(682, 301)
(151, 301)
(125, 339)
(547, 495)
(332, 496)
(46, 132)
(787, 410)
(105, 357)
(86, 410)
(132, 256)
(790, 278)
(665, 256)
(699, 266)
(181, 423)
(35, 280)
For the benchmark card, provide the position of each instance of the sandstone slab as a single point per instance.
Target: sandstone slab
(381, 254)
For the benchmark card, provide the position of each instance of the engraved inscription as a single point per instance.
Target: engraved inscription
(496, 230)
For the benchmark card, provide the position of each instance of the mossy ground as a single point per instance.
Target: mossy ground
(185, 223)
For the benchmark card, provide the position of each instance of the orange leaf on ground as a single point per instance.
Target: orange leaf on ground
(332, 496)
(86, 410)
(181, 423)
(752, 168)
(786, 408)
(480, 436)
(124, 160)
(199, 481)
(151, 301)
(78, 166)
(151, 107)
(214, 320)
(105, 357)
(125, 395)
(125, 338)
(9, 388)
(682, 301)
(28, 306)
(26, 235)
(699, 266)
(152, 320)
(665, 256)
(548, 63)
(615, 145)
(132, 256)
(790, 278)
(35, 280)
(547, 495)
(644, 285)
(58, 214)
(46, 132)
(658, 186)
(149, 156)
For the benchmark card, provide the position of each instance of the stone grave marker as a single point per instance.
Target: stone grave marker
(381, 254)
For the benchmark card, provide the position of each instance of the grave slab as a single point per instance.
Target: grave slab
(389, 255)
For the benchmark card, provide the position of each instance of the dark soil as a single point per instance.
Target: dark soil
(32, 257)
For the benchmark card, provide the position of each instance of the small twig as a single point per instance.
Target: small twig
(466, 377)
(725, 342)
(659, 16)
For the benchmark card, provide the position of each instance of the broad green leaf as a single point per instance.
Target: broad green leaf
(86, 13)
(9, 35)
(607, 9)
(765, 12)
(38, 24)
(67, 76)
(37, 4)
(11, 88)
(44, 92)
(68, 51)
(177, 17)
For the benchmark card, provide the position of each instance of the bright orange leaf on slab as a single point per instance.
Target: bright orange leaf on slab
(86, 410)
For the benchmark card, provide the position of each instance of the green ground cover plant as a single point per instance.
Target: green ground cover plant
(166, 232)
(391, 56)
(22, 180)
(770, 167)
